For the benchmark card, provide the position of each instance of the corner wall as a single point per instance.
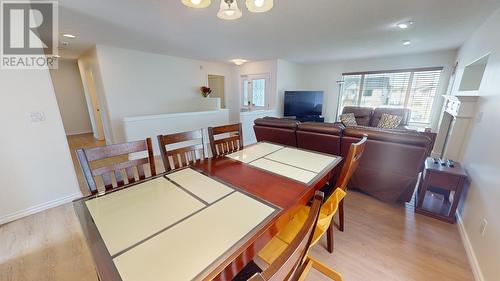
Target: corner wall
(482, 155)
(71, 98)
(36, 168)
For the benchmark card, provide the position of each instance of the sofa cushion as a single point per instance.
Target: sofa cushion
(389, 121)
(378, 112)
(407, 137)
(363, 114)
(277, 123)
(348, 119)
(323, 128)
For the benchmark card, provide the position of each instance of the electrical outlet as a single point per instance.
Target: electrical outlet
(482, 227)
(479, 117)
(37, 116)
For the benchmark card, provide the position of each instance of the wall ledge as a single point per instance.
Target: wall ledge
(471, 255)
(171, 115)
(38, 208)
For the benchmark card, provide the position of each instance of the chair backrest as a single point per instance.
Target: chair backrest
(328, 210)
(108, 172)
(187, 148)
(290, 264)
(228, 144)
(351, 163)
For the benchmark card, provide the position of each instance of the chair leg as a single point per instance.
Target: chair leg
(341, 215)
(329, 238)
(323, 268)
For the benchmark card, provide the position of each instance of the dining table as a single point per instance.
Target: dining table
(204, 221)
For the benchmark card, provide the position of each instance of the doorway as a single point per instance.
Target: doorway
(77, 110)
(216, 84)
(96, 109)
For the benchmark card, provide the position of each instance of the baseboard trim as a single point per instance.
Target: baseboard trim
(471, 255)
(78, 133)
(38, 208)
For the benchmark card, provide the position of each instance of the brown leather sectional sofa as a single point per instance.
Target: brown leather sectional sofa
(391, 163)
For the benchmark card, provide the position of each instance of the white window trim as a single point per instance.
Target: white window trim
(267, 77)
(412, 70)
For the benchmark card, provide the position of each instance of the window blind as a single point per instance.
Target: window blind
(412, 88)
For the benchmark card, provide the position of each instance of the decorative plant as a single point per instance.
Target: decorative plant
(205, 91)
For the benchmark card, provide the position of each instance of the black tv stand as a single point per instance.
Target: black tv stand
(318, 119)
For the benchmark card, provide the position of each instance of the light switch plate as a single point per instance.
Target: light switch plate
(37, 116)
(482, 227)
(479, 117)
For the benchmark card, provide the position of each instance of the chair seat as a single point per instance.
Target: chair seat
(280, 242)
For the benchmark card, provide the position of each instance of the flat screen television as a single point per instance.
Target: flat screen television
(303, 103)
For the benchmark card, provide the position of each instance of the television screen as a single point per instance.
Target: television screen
(303, 103)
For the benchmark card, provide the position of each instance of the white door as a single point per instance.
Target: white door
(95, 106)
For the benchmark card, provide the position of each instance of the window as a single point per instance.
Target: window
(255, 90)
(414, 88)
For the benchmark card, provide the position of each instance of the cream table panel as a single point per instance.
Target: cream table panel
(284, 170)
(126, 217)
(188, 248)
(310, 161)
(209, 190)
(251, 153)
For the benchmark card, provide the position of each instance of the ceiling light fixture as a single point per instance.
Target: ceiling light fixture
(71, 36)
(259, 6)
(197, 3)
(229, 10)
(239, 61)
(406, 42)
(405, 25)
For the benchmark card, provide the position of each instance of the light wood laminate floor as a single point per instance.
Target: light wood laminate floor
(381, 242)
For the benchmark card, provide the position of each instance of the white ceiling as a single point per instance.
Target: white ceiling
(295, 30)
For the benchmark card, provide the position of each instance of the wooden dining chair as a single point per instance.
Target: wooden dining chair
(328, 209)
(227, 144)
(187, 148)
(133, 169)
(351, 163)
(294, 263)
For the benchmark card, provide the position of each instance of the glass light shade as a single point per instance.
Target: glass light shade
(259, 6)
(197, 3)
(229, 11)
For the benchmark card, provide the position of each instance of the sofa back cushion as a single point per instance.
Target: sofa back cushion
(403, 137)
(321, 137)
(363, 114)
(404, 113)
(276, 130)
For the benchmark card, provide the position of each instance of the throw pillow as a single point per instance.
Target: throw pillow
(388, 121)
(348, 119)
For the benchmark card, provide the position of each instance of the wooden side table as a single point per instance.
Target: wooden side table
(437, 184)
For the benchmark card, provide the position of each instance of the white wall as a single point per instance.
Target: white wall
(136, 83)
(137, 128)
(323, 76)
(71, 97)
(35, 163)
(482, 153)
(290, 77)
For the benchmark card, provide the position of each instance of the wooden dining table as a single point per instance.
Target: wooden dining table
(202, 222)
